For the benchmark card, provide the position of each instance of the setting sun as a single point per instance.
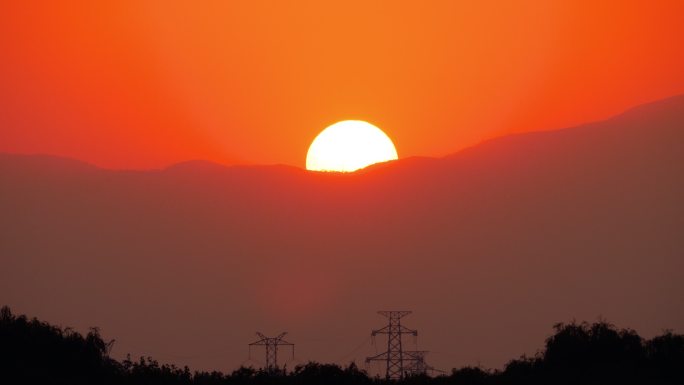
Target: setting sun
(349, 145)
(210, 183)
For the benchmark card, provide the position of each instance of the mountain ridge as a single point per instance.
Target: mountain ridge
(521, 231)
(673, 104)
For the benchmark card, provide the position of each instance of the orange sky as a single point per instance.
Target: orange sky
(145, 84)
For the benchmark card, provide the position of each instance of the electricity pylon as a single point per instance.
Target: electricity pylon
(395, 358)
(271, 344)
(418, 366)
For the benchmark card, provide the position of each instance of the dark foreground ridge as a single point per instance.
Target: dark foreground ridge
(35, 352)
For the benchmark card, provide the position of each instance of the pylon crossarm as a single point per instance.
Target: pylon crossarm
(381, 357)
(399, 314)
(387, 330)
(384, 330)
(280, 336)
(405, 330)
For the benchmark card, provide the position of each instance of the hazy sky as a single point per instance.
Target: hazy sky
(489, 248)
(144, 84)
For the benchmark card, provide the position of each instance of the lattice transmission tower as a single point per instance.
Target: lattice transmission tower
(397, 360)
(417, 365)
(271, 344)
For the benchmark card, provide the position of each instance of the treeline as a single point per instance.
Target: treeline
(35, 352)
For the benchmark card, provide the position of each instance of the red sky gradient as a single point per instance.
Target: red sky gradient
(130, 84)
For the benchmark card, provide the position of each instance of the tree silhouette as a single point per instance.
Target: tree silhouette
(35, 352)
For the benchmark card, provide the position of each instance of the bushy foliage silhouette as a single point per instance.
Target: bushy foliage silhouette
(35, 352)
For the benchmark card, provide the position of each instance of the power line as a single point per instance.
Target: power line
(356, 349)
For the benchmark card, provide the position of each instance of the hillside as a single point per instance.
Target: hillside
(467, 242)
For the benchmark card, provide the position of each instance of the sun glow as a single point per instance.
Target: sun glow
(349, 145)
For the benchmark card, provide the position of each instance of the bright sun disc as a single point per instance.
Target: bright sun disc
(348, 146)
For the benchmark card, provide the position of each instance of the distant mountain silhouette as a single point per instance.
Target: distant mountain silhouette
(32, 351)
(518, 232)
